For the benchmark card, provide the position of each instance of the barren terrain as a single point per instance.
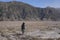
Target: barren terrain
(35, 30)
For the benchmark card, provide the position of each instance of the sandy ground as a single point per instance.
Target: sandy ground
(40, 29)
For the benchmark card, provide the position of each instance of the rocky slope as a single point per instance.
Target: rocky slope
(17, 11)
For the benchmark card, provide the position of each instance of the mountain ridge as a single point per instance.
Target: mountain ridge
(19, 11)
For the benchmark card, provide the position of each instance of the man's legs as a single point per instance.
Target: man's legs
(22, 31)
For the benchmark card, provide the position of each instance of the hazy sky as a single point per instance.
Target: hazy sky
(41, 3)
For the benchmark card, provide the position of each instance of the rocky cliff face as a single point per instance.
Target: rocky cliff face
(17, 11)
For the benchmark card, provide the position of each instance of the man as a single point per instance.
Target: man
(23, 27)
